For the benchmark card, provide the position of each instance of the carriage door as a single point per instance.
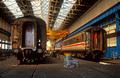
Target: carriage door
(28, 35)
(87, 40)
(96, 40)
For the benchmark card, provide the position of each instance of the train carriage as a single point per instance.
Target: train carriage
(29, 38)
(90, 43)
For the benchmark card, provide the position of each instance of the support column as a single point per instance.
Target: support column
(117, 30)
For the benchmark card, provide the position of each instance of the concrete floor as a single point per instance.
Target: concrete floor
(54, 68)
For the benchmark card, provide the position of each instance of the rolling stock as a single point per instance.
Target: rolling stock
(90, 43)
(29, 38)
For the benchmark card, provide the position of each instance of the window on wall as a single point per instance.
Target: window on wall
(10, 46)
(111, 42)
(3, 41)
(111, 28)
(3, 46)
(0, 46)
(6, 46)
(6, 41)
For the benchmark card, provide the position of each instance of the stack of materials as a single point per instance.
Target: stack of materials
(69, 62)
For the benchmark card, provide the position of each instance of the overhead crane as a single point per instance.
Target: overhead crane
(52, 34)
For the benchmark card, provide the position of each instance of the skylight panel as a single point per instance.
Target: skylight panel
(65, 8)
(40, 8)
(13, 7)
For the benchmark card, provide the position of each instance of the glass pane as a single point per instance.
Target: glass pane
(0, 45)
(112, 31)
(110, 28)
(3, 46)
(6, 46)
(108, 43)
(65, 8)
(6, 41)
(10, 46)
(3, 41)
(111, 42)
(13, 7)
(40, 8)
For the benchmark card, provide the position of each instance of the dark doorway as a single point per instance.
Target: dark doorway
(28, 35)
(96, 40)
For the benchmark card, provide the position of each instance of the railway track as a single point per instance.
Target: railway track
(109, 75)
(34, 72)
(8, 70)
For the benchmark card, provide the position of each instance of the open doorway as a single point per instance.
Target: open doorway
(28, 35)
(96, 40)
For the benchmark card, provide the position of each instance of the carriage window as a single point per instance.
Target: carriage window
(83, 37)
(71, 41)
(87, 36)
(79, 38)
(76, 39)
(87, 39)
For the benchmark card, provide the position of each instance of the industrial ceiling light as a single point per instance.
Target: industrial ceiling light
(65, 8)
(13, 7)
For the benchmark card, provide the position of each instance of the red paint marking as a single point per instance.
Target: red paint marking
(95, 36)
(74, 45)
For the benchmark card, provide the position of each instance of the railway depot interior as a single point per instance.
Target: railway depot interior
(57, 34)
